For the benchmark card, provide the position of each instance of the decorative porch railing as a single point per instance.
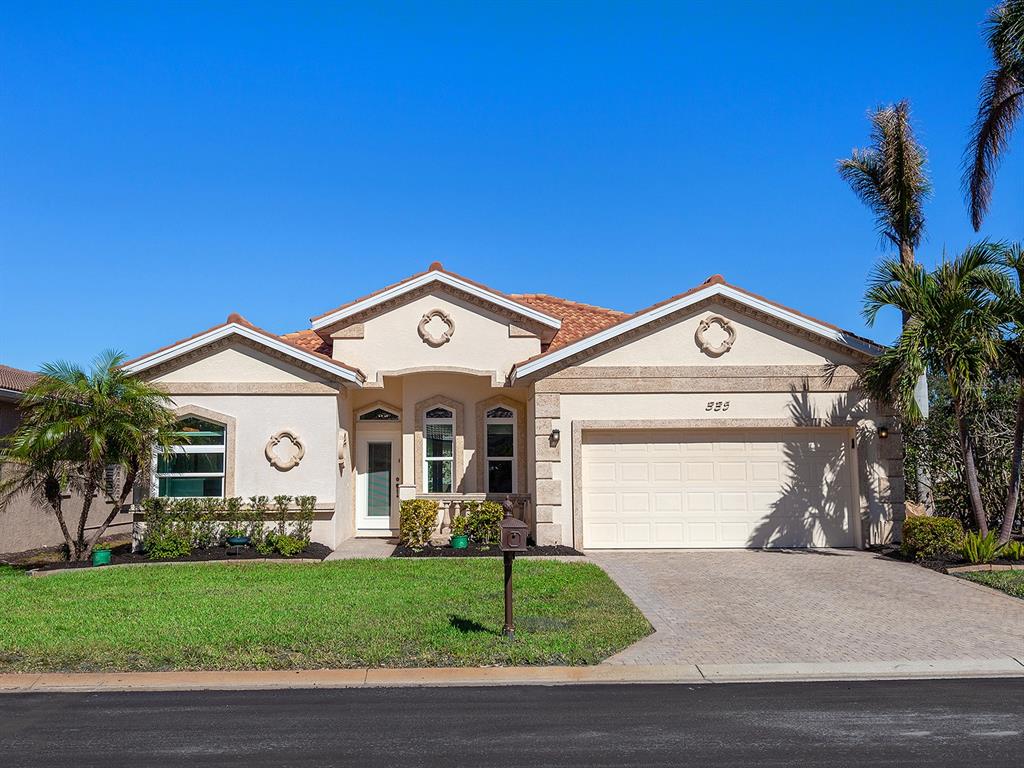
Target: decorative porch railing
(454, 505)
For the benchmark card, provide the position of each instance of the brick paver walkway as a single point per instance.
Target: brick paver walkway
(750, 606)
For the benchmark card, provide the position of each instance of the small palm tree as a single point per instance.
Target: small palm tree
(954, 326)
(75, 425)
(1000, 104)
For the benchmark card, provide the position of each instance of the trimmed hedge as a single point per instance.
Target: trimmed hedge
(928, 538)
(418, 522)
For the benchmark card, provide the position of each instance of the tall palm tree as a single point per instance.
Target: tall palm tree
(954, 326)
(891, 179)
(75, 425)
(1000, 104)
(1011, 306)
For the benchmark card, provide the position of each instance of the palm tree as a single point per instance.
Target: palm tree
(954, 326)
(75, 425)
(890, 178)
(1000, 104)
(1011, 306)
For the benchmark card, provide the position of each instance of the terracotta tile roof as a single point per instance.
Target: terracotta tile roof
(578, 319)
(16, 379)
(308, 340)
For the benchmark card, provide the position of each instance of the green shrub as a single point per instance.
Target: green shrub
(418, 522)
(927, 538)
(1013, 550)
(460, 525)
(288, 546)
(255, 515)
(303, 527)
(234, 523)
(206, 531)
(483, 523)
(976, 548)
(167, 535)
(282, 504)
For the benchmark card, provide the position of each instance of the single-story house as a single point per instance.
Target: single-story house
(714, 418)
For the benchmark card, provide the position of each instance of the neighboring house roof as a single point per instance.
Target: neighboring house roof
(715, 285)
(15, 379)
(236, 325)
(436, 273)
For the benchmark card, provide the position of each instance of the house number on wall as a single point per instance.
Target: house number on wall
(717, 405)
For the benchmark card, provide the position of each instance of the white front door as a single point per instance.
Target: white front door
(377, 475)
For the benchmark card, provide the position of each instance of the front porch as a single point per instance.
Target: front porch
(455, 438)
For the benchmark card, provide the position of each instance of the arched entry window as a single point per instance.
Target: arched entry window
(196, 465)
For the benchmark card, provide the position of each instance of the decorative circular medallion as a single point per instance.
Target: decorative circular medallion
(436, 327)
(284, 450)
(706, 346)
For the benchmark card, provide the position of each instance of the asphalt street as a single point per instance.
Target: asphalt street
(934, 723)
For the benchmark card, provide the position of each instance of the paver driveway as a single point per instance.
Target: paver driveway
(750, 606)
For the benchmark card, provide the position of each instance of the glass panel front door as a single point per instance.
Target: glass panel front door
(378, 479)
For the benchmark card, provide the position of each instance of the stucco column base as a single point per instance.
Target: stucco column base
(549, 534)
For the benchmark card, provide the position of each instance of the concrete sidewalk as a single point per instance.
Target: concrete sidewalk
(489, 676)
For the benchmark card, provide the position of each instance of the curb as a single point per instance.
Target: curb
(689, 674)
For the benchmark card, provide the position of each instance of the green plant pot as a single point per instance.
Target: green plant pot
(460, 542)
(101, 557)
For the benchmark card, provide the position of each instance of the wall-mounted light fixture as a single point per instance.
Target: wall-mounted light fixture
(556, 435)
(883, 432)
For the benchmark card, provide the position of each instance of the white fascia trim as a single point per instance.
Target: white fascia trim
(438, 277)
(234, 329)
(705, 293)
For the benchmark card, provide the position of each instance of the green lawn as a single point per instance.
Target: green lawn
(298, 616)
(1010, 582)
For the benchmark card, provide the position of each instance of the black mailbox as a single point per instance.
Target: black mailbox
(513, 535)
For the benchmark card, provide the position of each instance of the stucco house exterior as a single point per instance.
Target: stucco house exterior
(715, 418)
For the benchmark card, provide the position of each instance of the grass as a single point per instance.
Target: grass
(391, 613)
(1010, 582)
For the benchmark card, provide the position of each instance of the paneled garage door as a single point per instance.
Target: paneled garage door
(707, 488)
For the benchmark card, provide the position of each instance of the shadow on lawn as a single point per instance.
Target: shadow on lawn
(466, 626)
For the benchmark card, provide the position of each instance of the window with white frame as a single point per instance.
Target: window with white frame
(195, 466)
(501, 450)
(438, 450)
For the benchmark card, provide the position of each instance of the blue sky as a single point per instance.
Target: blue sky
(162, 166)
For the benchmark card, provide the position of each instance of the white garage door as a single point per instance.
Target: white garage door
(706, 488)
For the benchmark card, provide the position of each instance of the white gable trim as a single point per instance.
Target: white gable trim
(445, 279)
(716, 289)
(235, 329)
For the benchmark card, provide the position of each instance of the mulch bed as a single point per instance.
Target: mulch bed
(474, 550)
(941, 565)
(123, 555)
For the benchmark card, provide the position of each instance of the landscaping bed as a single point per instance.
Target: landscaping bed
(379, 613)
(940, 564)
(477, 550)
(123, 555)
